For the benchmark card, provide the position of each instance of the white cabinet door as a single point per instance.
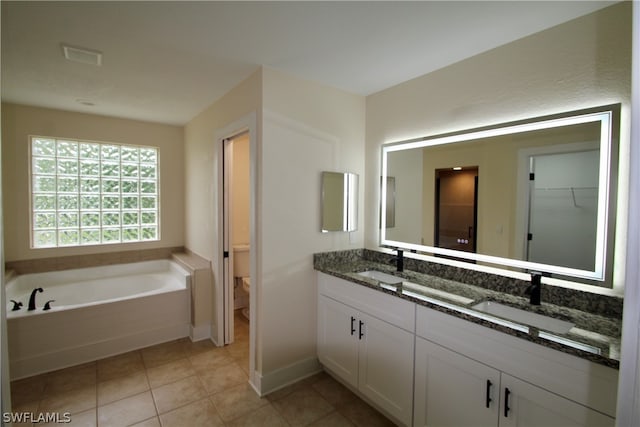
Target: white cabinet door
(386, 366)
(525, 405)
(337, 339)
(453, 390)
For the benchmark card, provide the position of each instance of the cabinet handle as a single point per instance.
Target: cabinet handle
(353, 328)
(361, 334)
(488, 397)
(507, 392)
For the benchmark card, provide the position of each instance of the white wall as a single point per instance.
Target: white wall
(5, 388)
(628, 411)
(307, 128)
(302, 128)
(18, 122)
(582, 63)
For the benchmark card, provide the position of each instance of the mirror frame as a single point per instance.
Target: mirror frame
(609, 118)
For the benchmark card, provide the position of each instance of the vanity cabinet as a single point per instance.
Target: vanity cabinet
(470, 375)
(466, 374)
(366, 338)
(454, 390)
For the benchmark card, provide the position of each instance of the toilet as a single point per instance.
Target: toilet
(241, 270)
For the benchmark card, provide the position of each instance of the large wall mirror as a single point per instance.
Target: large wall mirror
(533, 195)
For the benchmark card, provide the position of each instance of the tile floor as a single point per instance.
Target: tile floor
(187, 384)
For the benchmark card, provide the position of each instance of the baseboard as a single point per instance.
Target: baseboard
(280, 378)
(199, 333)
(71, 356)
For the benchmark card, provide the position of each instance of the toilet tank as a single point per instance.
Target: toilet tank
(241, 265)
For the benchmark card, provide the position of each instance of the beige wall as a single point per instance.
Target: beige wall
(18, 122)
(406, 168)
(201, 157)
(241, 190)
(583, 63)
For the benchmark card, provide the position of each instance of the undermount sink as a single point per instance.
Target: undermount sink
(381, 277)
(410, 288)
(525, 317)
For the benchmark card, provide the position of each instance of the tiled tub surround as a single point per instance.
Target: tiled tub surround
(597, 318)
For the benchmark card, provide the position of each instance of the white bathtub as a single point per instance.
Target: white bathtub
(97, 312)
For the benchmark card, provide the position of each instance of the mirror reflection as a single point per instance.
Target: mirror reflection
(339, 201)
(532, 195)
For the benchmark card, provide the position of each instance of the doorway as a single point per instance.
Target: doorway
(456, 212)
(223, 322)
(563, 208)
(237, 236)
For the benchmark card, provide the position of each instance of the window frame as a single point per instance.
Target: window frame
(100, 180)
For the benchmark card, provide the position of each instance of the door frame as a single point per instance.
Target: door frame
(228, 278)
(246, 124)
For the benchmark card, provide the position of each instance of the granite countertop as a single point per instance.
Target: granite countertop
(594, 337)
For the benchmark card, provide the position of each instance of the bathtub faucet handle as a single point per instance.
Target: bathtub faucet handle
(32, 299)
(16, 305)
(47, 305)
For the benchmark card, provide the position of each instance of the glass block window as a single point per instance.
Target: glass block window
(90, 193)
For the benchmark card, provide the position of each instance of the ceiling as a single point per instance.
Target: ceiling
(167, 61)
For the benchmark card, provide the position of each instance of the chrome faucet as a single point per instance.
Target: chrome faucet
(534, 290)
(32, 299)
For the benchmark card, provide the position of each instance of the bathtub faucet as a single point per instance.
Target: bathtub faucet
(32, 299)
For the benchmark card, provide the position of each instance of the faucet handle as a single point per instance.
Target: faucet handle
(47, 305)
(16, 305)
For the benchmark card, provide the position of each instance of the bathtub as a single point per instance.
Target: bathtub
(97, 312)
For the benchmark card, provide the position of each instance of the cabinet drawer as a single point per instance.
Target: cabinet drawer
(391, 309)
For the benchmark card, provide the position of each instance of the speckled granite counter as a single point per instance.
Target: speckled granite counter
(597, 318)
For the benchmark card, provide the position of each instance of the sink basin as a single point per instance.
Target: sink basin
(414, 289)
(381, 277)
(521, 316)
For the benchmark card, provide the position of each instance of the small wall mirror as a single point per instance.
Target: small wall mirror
(339, 201)
(533, 195)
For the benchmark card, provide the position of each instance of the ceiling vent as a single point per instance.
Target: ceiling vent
(80, 54)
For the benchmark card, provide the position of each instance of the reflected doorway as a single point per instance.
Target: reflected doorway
(456, 208)
(563, 208)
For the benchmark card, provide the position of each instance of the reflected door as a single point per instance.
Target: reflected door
(456, 204)
(563, 209)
